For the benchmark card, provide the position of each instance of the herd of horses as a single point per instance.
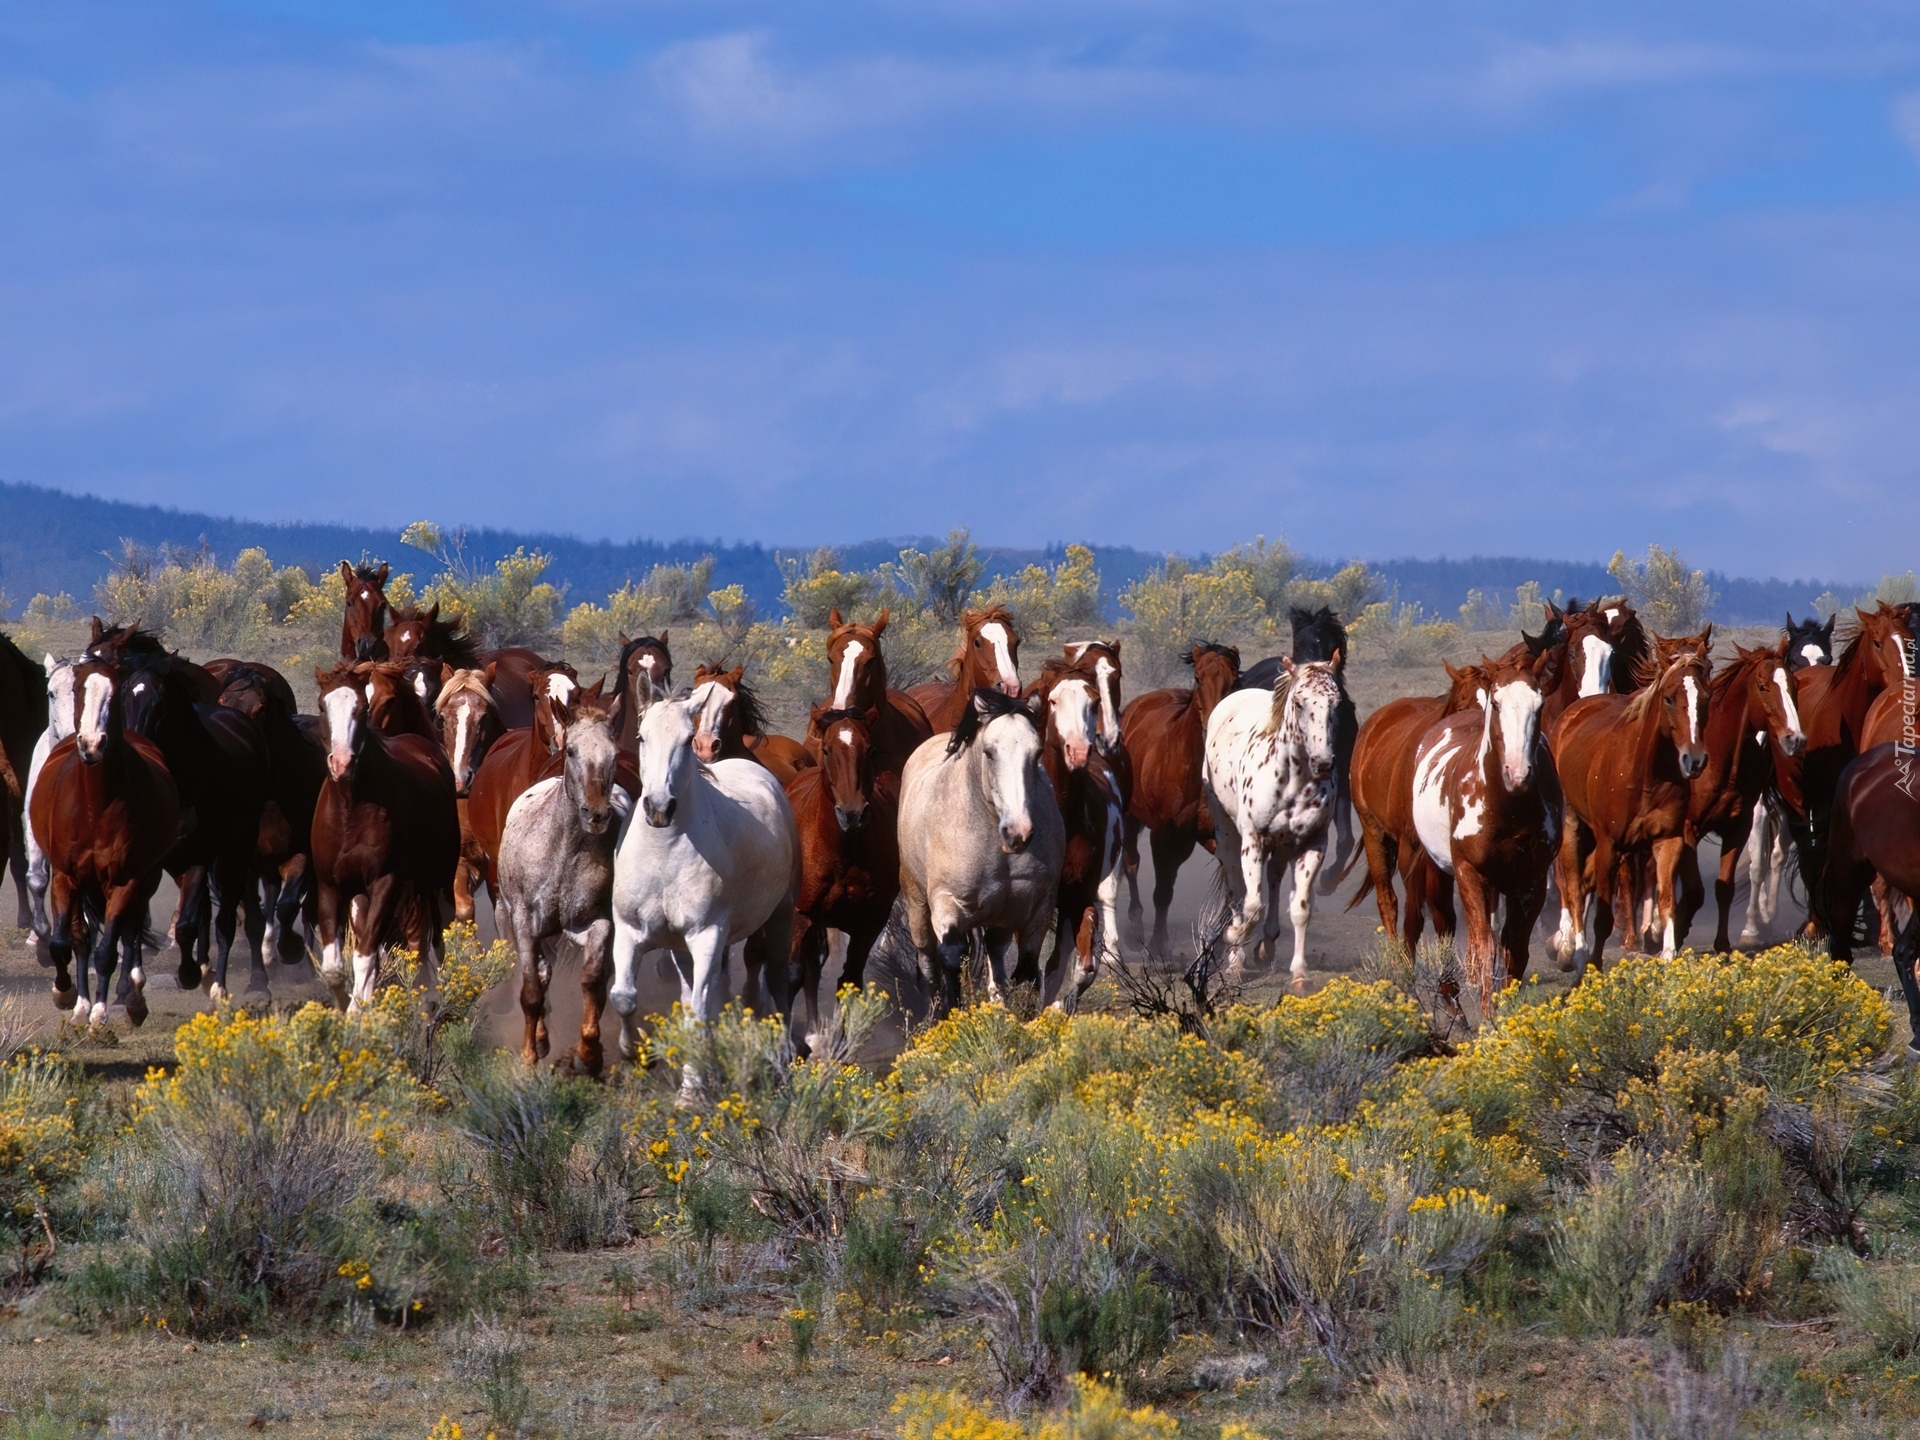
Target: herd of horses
(1589, 760)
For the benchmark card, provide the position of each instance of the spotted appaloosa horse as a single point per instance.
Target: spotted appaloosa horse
(1876, 831)
(1319, 635)
(23, 719)
(1753, 716)
(1626, 764)
(363, 628)
(1488, 809)
(1165, 733)
(857, 671)
(988, 659)
(732, 726)
(846, 811)
(105, 813)
(643, 674)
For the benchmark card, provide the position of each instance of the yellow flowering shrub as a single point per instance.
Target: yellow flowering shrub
(40, 1145)
(1095, 1412)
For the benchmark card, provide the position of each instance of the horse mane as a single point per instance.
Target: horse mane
(130, 640)
(464, 680)
(370, 574)
(1317, 631)
(971, 722)
(1649, 674)
(1277, 712)
(957, 662)
(1210, 647)
(827, 719)
(626, 654)
(746, 704)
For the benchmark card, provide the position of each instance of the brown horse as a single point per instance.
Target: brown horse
(1626, 766)
(644, 675)
(1165, 734)
(1876, 831)
(846, 811)
(105, 812)
(385, 827)
(364, 626)
(1835, 701)
(23, 717)
(417, 635)
(468, 723)
(1488, 809)
(858, 671)
(1753, 715)
(1098, 663)
(1095, 817)
(730, 725)
(988, 659)
(296, 770)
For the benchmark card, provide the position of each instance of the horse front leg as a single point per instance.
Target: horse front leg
(1733, 845)
(1570, 881)
(193, 884)
(1477, 899)
(596, 973)
(1692, 893)
(327, 927)
(66, 996)
(1171, 848)
(1906, 956)
(1305, 868)
(371, 925)
(1667, 855)
(533, 983)
(624, 993)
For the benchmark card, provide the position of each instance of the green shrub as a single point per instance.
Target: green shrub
(1882, 1300)
(1670, 598)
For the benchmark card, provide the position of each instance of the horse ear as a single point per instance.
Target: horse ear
(818, 709)
(880, 622)
(99, 633)
(624, 641)
(381, 578)
(735, 676)
(663, 637)
(346, 571)
(488, 673)
(1035, 705)
(834, 622)
(1706, 638)
(433, 612)
(49, 664)
(319, 677)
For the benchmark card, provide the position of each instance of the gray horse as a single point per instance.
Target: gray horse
(556, 876)
(981, 844)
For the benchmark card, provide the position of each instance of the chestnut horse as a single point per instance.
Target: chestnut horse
(385, 827)
(1488, 809)
(858, 672)
(643, 675)
(1165, 733)
(730, 725)
(1876, 831)
(1626, 766)
(467, 722)
(417, 634)
(363, 628)
(1753, 715)
(23, 718)
(988, 659)
(1087, 923)
(1834, 704)
(847, 812)
(105, 813)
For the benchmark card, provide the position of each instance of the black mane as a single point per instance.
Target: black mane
(626, 654)
(988, 705)
(443, 639)
(1210, 647)
(1316, 633)
(1809, 631)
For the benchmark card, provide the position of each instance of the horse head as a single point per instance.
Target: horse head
(1216, 670)
(1317, 634)
(1305, 699)
(854, 661)
(715, 719)
(469, 723)
(343, 708)
(1001, 737)
(1772, 692)
(1100, 661)
(63, 712)
(645, 671)
(1590, 648)
(846, 757)
(668, 766)
(363, 628)
(1510, 697)
(1888, 631)
(1808, 642)
(1073, 722)
(96, 715)
(989, 653)
(1681, 682)
(591, 757)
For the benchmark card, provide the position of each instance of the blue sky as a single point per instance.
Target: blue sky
(1389, 279)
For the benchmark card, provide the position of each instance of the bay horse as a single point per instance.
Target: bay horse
(556, 877)
(385, 827)
(1809, 642)
(105, 813)
(730, 725)
(1319, 635)
(981, 845)
(1626, 766)
(221, 765)
(846, 813)
(1876, 832)
(23, 720)
(988, 659)
(1270, 786)
(363, 627)
(1093, 814)
(1165, 734)
(1488, 810)
(296, 770)
(1631, 644)
(643, 675)
(858, 671)
(416, 635)
(1753, 714)
(1834, 704)
(712, 857)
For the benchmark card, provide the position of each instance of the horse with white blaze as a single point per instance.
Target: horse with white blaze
(713, 857)
(981, 844)
(1270, 785)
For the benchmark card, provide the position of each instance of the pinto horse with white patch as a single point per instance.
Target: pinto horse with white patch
(858, 672)
(1165, 736)
(988, 659)
(1094, 815)
(385, 826)
(1269, 783)
(1488, 809)
(62, 714)
(1626, 765)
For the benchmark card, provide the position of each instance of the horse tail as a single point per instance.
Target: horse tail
(1354, 856)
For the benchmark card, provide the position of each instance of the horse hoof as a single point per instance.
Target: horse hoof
(136, 1009)
(65, 999)
(139, 977)
(189, 976)
(216, 992)
(98, 1015)
(1297, 982)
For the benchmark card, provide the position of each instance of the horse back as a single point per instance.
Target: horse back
(1165, 746)
(512, 765)
(1874, 812)
(1384, 751)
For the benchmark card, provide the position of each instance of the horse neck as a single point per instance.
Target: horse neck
(1852, 691)
(1727, 729)
(1646, 737)
(1053, 760)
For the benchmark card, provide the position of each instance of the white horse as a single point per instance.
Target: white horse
(713, 857)
(981, 844)
(1269, 783)
(60, 724)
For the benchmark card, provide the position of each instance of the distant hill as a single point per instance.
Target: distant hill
(51, 541)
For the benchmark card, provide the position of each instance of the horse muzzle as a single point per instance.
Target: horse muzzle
(90, 749)
(1692, 762)
(1077, 755)
(850, 821)
(659, 816)
(1793, 742)
(706, 748)
(1014, 838)
(339, 765)
(595, 822)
